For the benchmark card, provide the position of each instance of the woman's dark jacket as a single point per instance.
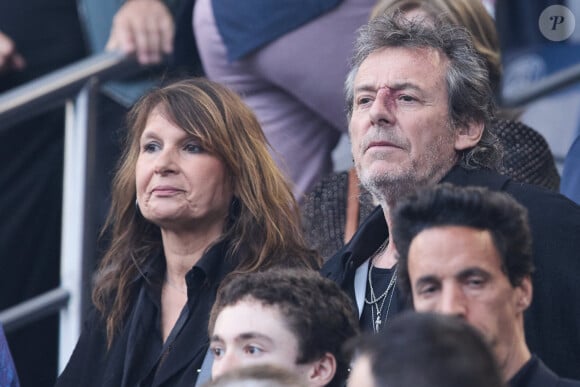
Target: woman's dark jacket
(137, 356)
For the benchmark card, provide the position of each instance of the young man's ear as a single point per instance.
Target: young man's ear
(322, 370)
(524, 293)
(468, 136)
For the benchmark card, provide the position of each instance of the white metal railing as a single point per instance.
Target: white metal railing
(559, 80)
(73, 86)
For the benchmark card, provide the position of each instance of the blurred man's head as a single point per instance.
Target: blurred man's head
(297, 320)
(466, 252)
(257, 376)
(424, 350)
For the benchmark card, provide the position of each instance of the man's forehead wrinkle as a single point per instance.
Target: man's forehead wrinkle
(387, 88)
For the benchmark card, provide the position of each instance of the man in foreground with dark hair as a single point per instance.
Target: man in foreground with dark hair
(419, 108)
(424, 350)
(467, 252)
(294, 319)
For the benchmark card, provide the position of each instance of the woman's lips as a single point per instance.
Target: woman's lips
(165, 190)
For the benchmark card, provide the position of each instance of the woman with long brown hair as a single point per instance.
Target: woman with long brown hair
(196, 198)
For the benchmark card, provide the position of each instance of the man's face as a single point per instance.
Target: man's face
(457, 270)
(251, 333)
(400, 129)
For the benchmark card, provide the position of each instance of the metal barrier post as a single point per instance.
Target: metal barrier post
(80, 126)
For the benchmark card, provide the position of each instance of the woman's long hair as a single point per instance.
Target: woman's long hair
(263, 230)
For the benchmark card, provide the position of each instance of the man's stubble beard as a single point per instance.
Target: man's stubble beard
(396, 183)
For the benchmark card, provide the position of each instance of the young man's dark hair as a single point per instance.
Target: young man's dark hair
(424, 350)
(475, 207)
(318, 313)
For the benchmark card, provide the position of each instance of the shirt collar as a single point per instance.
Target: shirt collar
(522, 377)
(213, 266)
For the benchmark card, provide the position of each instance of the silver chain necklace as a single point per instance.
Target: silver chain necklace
(377, 303)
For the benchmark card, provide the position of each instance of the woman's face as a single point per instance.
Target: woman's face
(179, 185)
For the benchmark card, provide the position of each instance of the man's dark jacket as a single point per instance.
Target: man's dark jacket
(552, 322)
(536, 374)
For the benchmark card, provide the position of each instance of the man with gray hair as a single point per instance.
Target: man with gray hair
(419, 104)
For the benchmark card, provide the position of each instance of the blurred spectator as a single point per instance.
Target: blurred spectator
(156, 31)
(424, 350)
(529, 56)
(517, 22)
(37, 37)
(8, 375)
(257, 376)
(571, 176)
(288, 59)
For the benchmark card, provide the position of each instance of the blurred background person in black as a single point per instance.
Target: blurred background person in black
(41, 36)
(36, 38)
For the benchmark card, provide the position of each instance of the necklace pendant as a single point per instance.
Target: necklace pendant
(378, 323)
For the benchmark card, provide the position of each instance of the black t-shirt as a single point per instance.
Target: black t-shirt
(388, 306)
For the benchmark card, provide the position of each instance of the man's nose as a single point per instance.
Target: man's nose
(453, 302)
(382, 111)
(228, 362)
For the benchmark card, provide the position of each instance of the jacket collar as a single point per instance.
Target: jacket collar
(534, 373)
(461, 176)
(212, 268)
(367, 239)
(373, 231)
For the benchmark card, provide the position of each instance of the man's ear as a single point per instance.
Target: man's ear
(524, 293)
(322, 370)
(468, 135)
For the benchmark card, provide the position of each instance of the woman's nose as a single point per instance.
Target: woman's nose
(165, 162)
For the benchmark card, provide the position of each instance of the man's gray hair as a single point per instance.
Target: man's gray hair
(469, 91)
